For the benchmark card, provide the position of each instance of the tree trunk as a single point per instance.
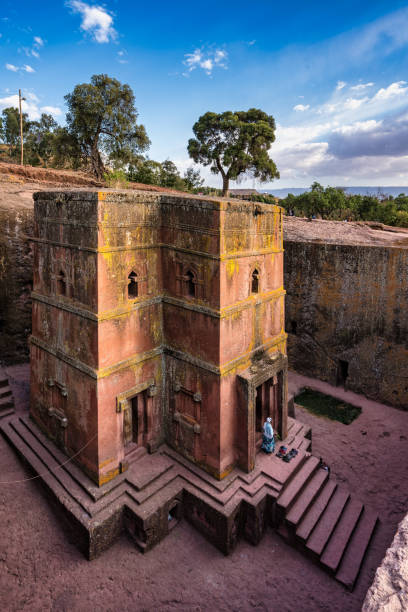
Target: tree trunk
(225, 185)
(96, 162)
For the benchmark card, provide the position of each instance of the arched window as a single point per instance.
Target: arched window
(133, 289)
(255, 281)
(61, 283)
(190, 283)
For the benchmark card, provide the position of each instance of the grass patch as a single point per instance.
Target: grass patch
(327, 406)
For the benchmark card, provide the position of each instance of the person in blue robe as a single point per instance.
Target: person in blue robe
(268, 441)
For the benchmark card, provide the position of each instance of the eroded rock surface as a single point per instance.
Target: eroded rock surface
(16, 222)
(389, 591)
(346, 314)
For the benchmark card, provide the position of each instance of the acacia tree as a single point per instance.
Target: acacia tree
(234, 143)
(102, 117)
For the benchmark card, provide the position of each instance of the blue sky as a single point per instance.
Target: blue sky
(332, 74)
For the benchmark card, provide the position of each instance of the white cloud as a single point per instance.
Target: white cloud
(207, 65)
(346, 108)
(293, 136)
(96, 21)
(361, 139)
(52, 110)
(393, 90)
(358, 126)
(206, 59)
(354, 103)
(34, 51)
(24, 68)
(121, 57)
(340, 85)
(30, 105)
(301, 107)
(220, 56)
(385, 35)
(361, 86)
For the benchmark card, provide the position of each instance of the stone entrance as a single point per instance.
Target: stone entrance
(135, 421)
(268, 403)
(136, 405)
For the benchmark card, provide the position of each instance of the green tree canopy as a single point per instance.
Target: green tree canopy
(192, 179)
(170, 176)
(234, 143)
(152, 172)
(146, 171)
(103, 118)
(10, 129)
(67, 152)
(39, 141)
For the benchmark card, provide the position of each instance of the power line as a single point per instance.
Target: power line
(2, 482)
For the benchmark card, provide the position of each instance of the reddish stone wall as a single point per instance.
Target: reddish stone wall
(161, 360)
(349, 303)
(64, 346)
(16, 264)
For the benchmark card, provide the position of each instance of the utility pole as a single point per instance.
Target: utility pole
(21, 129)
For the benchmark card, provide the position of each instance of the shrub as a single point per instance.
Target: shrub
(116, 179)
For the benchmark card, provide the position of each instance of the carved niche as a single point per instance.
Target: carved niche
(189, 280)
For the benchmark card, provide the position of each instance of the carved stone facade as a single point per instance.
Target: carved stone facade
(157, 318)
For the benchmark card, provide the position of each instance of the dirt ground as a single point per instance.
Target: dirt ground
(25, 180)
(41, 570)
(299, 229)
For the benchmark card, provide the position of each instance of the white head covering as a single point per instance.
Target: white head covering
(269, 420)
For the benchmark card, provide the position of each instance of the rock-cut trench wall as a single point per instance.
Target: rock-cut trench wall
(15, 283)
(389, 591)
(347, 316)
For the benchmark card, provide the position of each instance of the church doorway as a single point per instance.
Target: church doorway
(135, 422)
(268, 403)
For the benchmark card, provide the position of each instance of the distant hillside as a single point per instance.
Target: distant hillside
(386, 191)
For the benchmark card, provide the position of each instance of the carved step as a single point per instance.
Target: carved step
(354, 555)
(6, 412)
(3, 381)
(328, 521)
(5, 391)
(306, 498)
(296, 434)
(291, 492)
(340, 537)
(315, 511)
(47, 462)
(6, 402)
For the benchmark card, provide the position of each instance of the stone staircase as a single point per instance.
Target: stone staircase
(6, 396)
(325, 521)
(298, 499)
